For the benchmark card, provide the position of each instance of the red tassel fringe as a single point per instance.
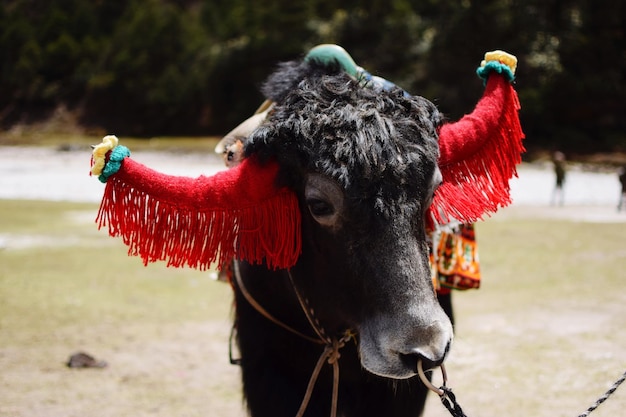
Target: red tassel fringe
(237, 213)
(478, 157)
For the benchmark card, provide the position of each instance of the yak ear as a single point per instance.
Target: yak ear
(207, 221)
(238, 137)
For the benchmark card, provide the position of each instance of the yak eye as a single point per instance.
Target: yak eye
(324, 198)
(320, 208)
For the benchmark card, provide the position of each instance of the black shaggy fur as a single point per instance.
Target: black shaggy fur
(381, 149)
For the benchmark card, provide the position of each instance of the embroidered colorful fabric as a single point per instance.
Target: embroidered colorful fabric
(454, 259)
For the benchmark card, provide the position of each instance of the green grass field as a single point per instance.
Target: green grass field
(544, 336)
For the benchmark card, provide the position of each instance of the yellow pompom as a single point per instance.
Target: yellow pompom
(502, 57)
(99, 152)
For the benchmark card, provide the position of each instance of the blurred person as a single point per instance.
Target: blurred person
(622, 180)
(558, 159)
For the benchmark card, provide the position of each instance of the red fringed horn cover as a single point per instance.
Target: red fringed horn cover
(238, 213)
(478, 156)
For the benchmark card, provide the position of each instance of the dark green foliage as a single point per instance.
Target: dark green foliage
(147, 67)
(151, 70)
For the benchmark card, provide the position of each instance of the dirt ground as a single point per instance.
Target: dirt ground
(579, 346)
(551, 345)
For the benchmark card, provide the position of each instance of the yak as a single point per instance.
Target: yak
(335, 307)
(363, 164)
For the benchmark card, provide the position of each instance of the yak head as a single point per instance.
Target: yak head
(363, 163)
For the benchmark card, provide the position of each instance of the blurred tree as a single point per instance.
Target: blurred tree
(45, 51)
(253, 37)
(587, 97)
(195, 66)
(463, 32)
(573, 68)
(153, 68)
(386, 38)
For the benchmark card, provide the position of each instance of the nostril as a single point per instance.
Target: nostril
(410, 361)
(429, 358)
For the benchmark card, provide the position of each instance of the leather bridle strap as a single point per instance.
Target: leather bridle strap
(330, 354)
(308, 312)
(258, 307)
